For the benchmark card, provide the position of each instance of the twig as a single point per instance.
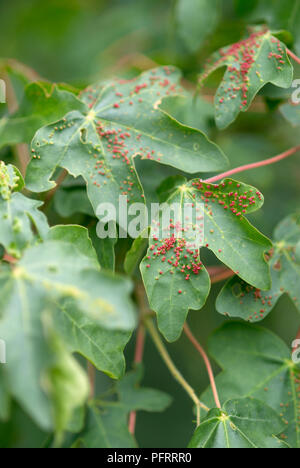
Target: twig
(173, 369)
(293, 56)
(248, 167)
(199, 348)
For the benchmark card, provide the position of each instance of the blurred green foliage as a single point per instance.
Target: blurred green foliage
(80, 41)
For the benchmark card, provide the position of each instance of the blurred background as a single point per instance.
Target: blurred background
(81, 41)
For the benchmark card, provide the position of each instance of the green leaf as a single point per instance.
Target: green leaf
(239, 299)
(291, 113)
(11, 180)
(22, 222)
(60, 271)
(107, 421)
(190, 111)
(4, 398)
(251, 64)
(243, 423)
(66, 384)
(42, 104)
(78, 236)
(69, 201)
(18, 216)
(59, 282)
(102, 347)
(173, 274)
(197, 19)
(105, 249)
(135, 254)
(121, 120)
(280, 14)
(257, 364)
(38, 366)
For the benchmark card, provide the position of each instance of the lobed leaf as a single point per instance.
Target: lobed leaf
(239, 299)
(121, 119)
(107, 421)
(174, 276)
(57, 286)
(243, 423)
(251, 64)
(256, 363)
(41, 104)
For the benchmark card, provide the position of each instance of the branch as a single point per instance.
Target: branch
(248, 167)
(293, 56)
(199, 348)
(173, 369)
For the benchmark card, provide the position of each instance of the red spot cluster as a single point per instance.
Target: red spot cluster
(177, 254)
(242, 58)
(264, 301)
(235, 200)
(122, 143)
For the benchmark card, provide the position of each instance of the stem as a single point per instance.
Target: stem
(52, 192)
(199, 348)
(92, 379)
(140, 344)
(174, 371)
(20, 150)
(218, 274)
(9, 259)
(247, 167)
(138, 357)
(297, 338)
(293, 56)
